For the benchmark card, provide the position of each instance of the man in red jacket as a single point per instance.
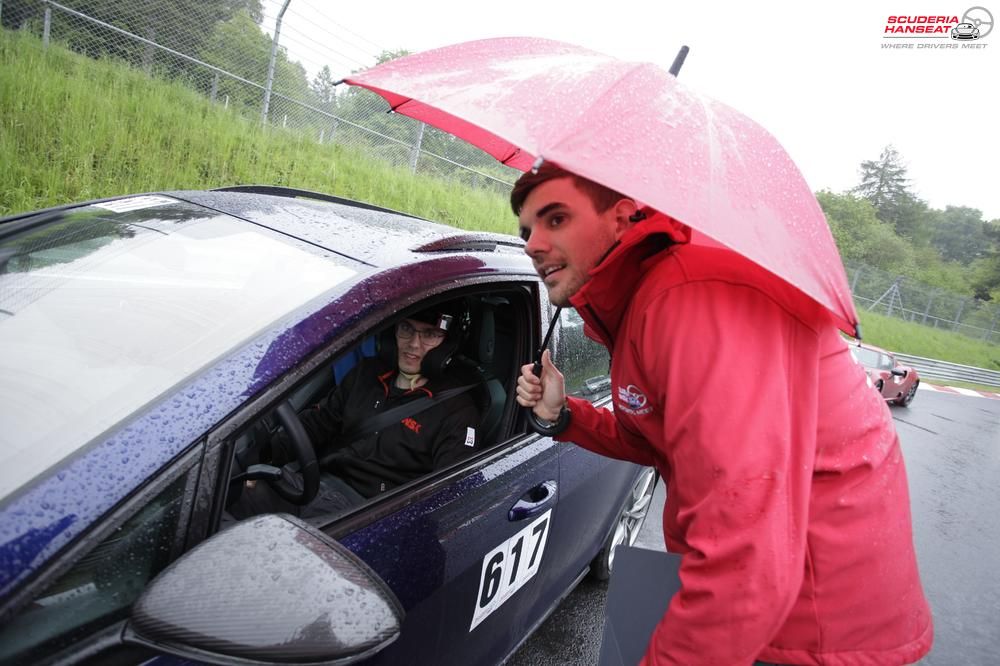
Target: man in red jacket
(786, 490)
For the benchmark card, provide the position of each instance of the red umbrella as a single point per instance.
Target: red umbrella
(634, 128)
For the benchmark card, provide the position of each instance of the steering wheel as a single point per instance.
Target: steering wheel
(303, 453)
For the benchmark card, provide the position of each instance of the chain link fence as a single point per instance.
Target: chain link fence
(897, 296)
(224, 50)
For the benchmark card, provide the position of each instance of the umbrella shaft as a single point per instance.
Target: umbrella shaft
(536, 369)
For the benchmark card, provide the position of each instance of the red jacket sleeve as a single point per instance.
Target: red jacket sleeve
(735, 377)
(597, 430)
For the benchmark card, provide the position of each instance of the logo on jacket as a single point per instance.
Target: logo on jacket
(633, 401)
(412, 425)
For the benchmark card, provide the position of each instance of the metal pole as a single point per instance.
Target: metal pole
(993, 326)
(415, 153)
(270, 65)
(854, 282)
(150, 53)
(48, 25)
(927, 311)
(958, 317)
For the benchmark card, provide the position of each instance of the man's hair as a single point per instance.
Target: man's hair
(601, 197)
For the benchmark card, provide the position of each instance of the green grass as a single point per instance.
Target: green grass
(73, 129)
(917, 340)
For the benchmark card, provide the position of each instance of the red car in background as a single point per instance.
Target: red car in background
(897, 383)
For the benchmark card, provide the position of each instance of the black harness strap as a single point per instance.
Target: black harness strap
(392, 416)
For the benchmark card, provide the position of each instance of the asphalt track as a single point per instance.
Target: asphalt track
(951, 443)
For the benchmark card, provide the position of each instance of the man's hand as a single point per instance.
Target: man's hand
(546, 394)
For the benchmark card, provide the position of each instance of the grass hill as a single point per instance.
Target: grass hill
(72, 129)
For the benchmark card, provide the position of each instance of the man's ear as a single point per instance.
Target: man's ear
(624, 209)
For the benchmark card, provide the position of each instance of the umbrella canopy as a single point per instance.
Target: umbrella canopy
(631, 127)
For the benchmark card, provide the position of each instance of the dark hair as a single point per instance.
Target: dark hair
(601, 197)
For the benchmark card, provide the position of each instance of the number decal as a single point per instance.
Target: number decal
(539, 529)
(516, 551)
(507, 568)
(491, 580)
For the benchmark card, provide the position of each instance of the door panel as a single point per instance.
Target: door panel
(471, 590)
(593, 490)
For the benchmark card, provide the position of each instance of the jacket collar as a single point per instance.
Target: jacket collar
(388, 380)
(604, 298)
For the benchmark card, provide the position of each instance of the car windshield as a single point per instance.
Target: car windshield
(866, 357)
(105, 307)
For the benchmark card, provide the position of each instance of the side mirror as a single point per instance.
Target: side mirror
(896, 372)
(271, 589)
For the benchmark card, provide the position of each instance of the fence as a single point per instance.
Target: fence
(904, 298)
(221, 52)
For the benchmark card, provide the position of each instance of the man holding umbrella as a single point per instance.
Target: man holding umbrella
(719, 297)
(786, 492)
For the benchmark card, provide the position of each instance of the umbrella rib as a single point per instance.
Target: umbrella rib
(505, 161)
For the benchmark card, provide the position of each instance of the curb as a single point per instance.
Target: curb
(958, 391)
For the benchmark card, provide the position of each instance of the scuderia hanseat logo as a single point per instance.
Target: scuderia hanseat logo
(632, 401)
(973, 25)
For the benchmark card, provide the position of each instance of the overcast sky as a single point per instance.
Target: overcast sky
(817, 75)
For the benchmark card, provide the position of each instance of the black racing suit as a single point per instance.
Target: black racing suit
(375, 462)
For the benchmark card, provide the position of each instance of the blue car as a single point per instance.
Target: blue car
(151, 345)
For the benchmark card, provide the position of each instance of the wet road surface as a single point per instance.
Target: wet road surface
(952, 450)
(951, 444)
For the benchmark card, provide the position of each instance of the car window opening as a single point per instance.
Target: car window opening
(484, 365)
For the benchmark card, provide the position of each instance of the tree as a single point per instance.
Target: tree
(239, 47)
(862, 237)
(322, 87)
(986, 270)
(181, 25)
(388, 55)
(366, 109)
(884, 184)
(959, 234)
(911, 218)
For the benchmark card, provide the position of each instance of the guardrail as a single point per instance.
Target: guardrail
(930, 368)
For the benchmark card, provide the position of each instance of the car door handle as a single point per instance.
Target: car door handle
(534, 501)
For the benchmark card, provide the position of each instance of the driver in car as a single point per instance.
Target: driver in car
(366, 453)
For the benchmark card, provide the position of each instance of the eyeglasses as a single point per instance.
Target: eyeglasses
(428, 336)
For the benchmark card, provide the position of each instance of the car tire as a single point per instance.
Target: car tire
(908, 398)
(627, 524)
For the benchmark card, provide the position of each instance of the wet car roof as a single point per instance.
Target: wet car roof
(377, 237)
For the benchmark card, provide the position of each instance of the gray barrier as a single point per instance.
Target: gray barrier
(929, 368)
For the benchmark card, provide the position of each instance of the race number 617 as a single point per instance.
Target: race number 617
(509, 566)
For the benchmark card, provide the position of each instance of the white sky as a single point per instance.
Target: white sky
(815, 75)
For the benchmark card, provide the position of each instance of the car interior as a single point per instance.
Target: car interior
(488, 359)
